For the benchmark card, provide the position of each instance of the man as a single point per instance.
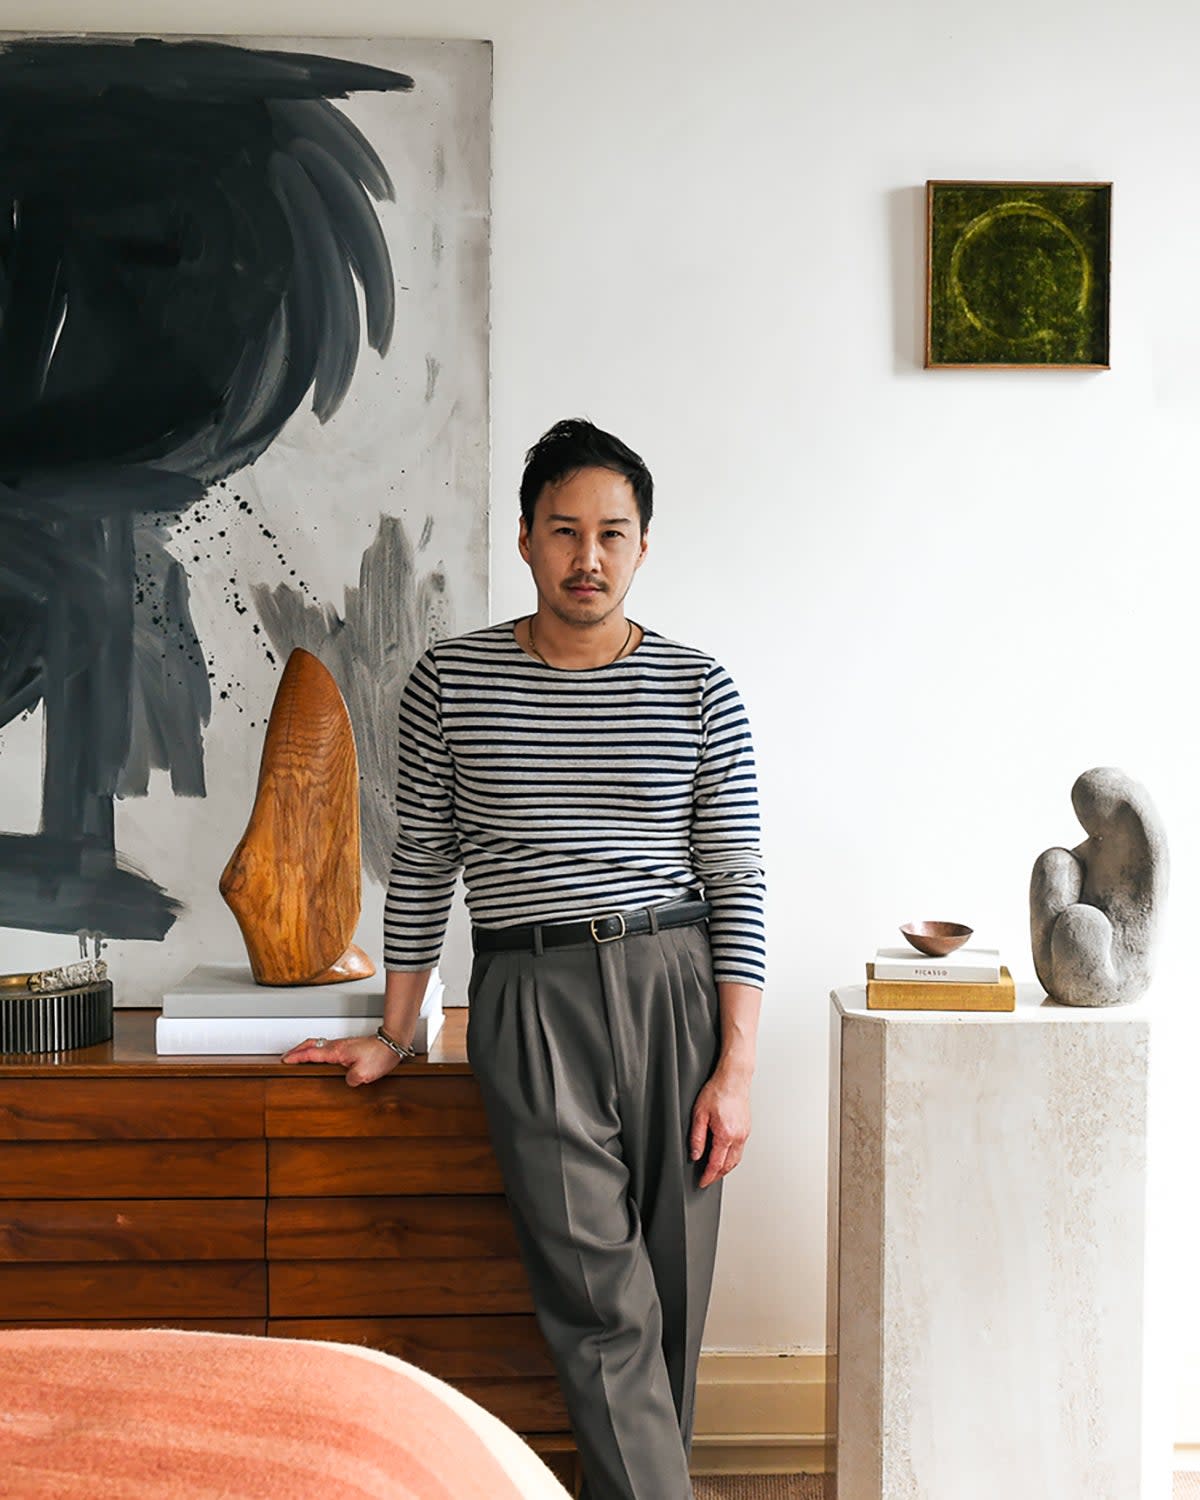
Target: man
(596, 782)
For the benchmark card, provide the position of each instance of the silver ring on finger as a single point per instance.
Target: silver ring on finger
(320, 1041)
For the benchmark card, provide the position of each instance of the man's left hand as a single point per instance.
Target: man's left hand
(722, 1111)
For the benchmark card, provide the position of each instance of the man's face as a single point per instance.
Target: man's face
(585, 545)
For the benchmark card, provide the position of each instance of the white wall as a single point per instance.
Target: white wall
(943, 594)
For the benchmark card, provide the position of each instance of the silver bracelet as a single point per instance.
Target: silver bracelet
(402, 1052)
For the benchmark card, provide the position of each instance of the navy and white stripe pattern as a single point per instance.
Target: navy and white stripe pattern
(568, 794)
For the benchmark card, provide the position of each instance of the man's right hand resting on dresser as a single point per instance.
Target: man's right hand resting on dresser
(366, 1058)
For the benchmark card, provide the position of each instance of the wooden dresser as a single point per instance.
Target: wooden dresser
(240, 1195)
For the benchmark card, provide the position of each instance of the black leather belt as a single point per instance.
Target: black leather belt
(607, 927)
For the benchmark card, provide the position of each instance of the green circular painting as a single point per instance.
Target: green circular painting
(1018, 274)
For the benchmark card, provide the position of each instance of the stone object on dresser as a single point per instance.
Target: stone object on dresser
(1094, 910)
(64, 977)
(294, 881)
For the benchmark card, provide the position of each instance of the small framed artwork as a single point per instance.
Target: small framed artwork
(1018, 275)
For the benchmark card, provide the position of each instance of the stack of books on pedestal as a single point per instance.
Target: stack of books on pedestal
(968, 979)
(218, 1009)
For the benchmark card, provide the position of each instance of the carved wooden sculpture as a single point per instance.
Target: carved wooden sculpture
(294, 882)
(1094, 909)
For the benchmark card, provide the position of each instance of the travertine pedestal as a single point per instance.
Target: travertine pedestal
(987, 1252)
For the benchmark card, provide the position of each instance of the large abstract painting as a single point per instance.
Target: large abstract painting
(243, 358)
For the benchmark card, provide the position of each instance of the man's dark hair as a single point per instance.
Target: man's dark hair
(576, 444)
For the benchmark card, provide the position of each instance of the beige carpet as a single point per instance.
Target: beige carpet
(761, 1487)
(811, 1487)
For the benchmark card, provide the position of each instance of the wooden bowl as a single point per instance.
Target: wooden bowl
(936, 938)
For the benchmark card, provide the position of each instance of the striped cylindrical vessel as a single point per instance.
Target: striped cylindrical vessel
(55, 1022)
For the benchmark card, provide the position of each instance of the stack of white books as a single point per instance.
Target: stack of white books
(219, 1010)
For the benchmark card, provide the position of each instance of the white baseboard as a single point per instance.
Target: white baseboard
(760, 1414)
(1187, 1412)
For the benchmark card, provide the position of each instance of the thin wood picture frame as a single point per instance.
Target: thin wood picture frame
(1017, 275)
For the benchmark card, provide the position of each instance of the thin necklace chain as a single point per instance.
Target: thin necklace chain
(545, 663)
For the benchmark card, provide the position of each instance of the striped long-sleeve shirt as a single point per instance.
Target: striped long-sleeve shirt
(567, 794)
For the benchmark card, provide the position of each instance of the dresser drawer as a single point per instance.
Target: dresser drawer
(524, 1405)
(392, 1288)
(308, 1169)
(104, 1109)
(504, 1347)
(394, 1106)
(255, 1326)
(132, 1229)
(500, 1362)
(211, 1168)
(371, 1228)
(66, 1293)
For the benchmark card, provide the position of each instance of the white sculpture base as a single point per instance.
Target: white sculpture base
(987, 1252)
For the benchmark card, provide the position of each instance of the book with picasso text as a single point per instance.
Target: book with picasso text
(964, 966)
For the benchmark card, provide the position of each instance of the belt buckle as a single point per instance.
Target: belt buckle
(596, 938)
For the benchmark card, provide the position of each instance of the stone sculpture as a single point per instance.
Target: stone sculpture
(295, 880)
(1094, 909)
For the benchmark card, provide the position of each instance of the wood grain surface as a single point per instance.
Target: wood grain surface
(135, 1290)
(294, 881)
(256, 1327)
(525, 1405)
(133, 1229)
(501, 1347)
(399, 1105)
(130, 1109)
(370, 1228)
(392, 1288)
(309, 1169)
(134, 1169)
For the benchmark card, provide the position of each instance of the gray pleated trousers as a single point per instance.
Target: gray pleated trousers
(590, 1059)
